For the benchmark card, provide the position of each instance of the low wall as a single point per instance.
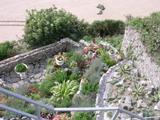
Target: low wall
(143, 61)
(37, 54)
(36, 61)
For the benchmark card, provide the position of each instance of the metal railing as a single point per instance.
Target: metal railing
(12, 23)
(39, 105)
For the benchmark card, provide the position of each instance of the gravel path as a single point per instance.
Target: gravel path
(84, 9)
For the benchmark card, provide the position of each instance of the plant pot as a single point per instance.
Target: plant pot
(59, 60)
(23, 73)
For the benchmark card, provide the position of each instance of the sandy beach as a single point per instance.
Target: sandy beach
(84, 9)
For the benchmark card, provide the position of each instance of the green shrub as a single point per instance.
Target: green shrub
(46, 85)
(60, 76)
(87, 38)
(81, 100)
(49, 25)
(93, 73)
(84, 116)
(106, 27)
(115, 41)
(19, 105)
(62, 93)
(21, 68)
(106, 58)
(75, 76)
(89, 87)
(35, 96)
(76, 57)
(6, 50)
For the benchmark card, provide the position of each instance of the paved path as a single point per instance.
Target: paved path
(84, 9)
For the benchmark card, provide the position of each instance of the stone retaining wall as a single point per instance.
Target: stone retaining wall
(37, 54)
(104, 89)
(143, 61)
(36, 61)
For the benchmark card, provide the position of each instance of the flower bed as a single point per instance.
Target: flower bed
(71, 80)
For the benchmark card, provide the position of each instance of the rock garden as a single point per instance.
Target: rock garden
(69, 79)
(99, 70)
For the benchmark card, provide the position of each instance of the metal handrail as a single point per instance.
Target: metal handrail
(39, 105)
(17, 111)
(12, 23)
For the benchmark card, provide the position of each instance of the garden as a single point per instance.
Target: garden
(71, 78)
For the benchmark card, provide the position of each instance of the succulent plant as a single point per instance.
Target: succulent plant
(138, 90)
(156, 96)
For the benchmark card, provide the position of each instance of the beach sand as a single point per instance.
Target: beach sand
(84, 9)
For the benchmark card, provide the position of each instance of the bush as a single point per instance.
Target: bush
(46, 85)
(106, 58)
(60, 76)
(49, 25)
(106, 27)
(62, 93)
(88, 38)
(19, 105)
(115, 41)
(93, 73)
(89, 87)
(84, 116)
(6, 50)
(81, 100)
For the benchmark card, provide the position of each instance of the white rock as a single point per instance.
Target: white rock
(84, 42)
(1, 82)
(129, 90)
(37, 76)
(157, 106)
(120, 83)
(140, 103)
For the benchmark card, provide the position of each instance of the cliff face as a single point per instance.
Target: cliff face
(133, 48)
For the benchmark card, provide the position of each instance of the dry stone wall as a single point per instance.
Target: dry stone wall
(144, 63)
(36, 61)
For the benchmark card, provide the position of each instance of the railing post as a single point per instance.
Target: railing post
(115, 115)
(38, 112)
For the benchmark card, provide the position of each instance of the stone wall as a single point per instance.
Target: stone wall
(105, 88)
(144, 63)
(36, 54)
(36, 61)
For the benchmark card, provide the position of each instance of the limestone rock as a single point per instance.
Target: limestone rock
(157, 106)
(141, 103)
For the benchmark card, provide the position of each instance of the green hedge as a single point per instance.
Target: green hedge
(6, 50)
(49, 25)
(106, 27)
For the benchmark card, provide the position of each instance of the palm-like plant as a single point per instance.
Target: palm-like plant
(156, 96)
(138, 90)
(63, 92)
(124, 70)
